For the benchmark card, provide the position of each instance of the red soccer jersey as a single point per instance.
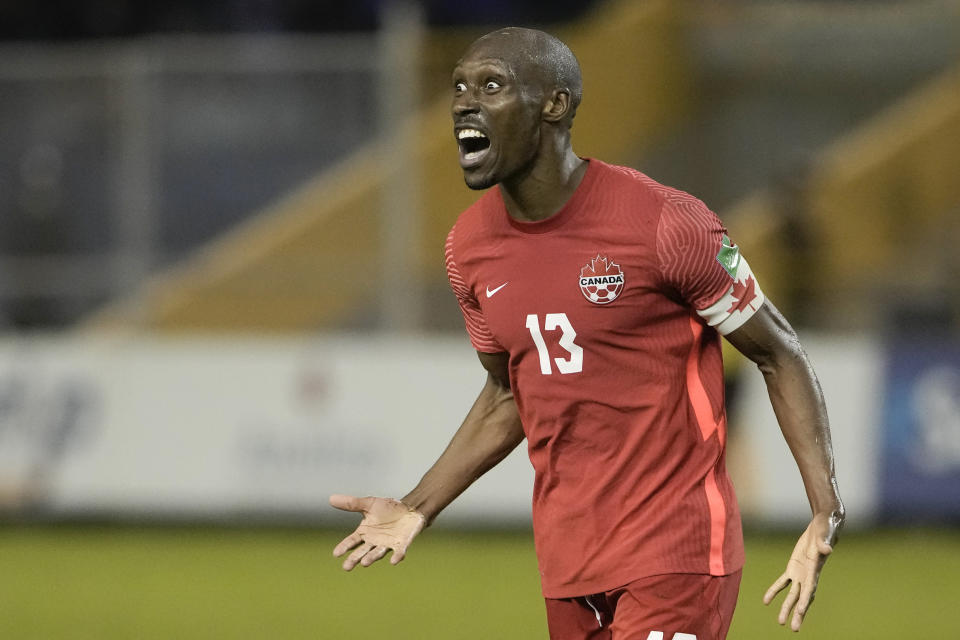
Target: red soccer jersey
(607, 311)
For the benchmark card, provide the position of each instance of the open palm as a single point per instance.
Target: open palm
(387, 524)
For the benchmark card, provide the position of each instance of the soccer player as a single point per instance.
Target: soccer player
(595, 298)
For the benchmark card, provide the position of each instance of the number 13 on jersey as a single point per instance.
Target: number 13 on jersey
(552, 322)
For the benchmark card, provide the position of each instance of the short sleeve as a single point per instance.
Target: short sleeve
(480, 336)
(699, 261)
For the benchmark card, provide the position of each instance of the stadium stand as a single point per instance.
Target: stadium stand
(296, 266)
(878, 208)
(829, 236)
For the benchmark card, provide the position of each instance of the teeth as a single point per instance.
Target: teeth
(469, 133)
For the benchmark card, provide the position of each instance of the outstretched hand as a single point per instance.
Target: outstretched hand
(803, 568)
(387, 524)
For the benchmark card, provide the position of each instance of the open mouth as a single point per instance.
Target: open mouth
(473, 145)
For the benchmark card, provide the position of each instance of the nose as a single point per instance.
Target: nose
(465, 104)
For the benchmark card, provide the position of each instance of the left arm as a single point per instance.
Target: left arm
(769, 341)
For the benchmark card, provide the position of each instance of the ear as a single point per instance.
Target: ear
(556, 106)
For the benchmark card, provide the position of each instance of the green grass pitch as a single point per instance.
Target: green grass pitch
(148, 582)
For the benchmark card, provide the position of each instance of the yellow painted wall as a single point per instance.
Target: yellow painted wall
(881, 204)
(879, 194)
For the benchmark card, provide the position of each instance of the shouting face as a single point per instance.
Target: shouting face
(496, 116)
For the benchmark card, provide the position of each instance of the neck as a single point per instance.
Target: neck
(546, 186)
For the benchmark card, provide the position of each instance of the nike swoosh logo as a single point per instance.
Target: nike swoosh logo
(490, 291)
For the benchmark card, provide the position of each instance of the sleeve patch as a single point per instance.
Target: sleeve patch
(743, 299)
(729, 256)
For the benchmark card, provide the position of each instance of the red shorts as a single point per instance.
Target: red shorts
(677, 606)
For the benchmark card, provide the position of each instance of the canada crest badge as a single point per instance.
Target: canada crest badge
(601, 280)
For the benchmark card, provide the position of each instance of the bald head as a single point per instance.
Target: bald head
(537, 58)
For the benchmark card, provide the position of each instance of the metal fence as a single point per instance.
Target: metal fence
(120, 157)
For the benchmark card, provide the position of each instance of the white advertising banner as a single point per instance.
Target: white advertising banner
(270, 427)
(768, 483)
(209, 427)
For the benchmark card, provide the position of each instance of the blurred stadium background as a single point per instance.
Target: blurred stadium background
(222, 298)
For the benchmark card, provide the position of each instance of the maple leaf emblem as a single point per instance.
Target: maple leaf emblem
(601, 280)
(600, 266)
(744, 293)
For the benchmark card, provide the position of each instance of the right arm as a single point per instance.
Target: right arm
(490, 431)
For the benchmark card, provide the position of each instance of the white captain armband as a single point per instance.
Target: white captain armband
(743, 299)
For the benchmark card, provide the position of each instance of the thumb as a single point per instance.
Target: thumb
(350, 503)
(823, 547)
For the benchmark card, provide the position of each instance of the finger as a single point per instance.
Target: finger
(788, 603)
(346, 544)
(398, 554)
(350, 503)
(775, 588)
(803, 604)
(824, 548)
(356, 556)
(797, 621)
(374, 555)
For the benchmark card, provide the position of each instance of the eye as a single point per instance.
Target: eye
(492, 85)
(459, 87)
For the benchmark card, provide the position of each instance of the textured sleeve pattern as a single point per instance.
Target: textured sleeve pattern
(473, 318)
(699, 261)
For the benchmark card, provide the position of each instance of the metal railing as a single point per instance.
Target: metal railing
(122, 156)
